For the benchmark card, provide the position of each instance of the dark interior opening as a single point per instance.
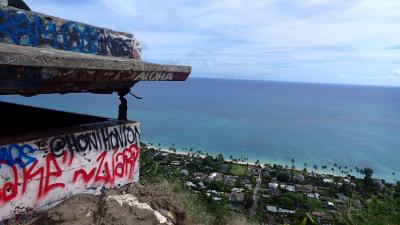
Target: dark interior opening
(19, 119)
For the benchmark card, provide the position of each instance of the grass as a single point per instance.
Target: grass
(200, 211)
(238, 170)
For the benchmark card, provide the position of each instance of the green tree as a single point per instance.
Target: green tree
(283, 177)
(220, 158)
(368, 175)
(315, 167)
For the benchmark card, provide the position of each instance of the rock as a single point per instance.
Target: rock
(130, 205)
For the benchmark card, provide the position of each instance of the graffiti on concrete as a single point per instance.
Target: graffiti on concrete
(33, 29)
(17, 154)
(155, 76)
(42, 172)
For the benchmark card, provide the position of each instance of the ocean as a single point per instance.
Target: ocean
(316, 124)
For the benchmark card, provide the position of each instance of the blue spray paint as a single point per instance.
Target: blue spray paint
(16, 154)
(21, 29)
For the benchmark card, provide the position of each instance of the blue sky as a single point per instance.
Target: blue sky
(330, 41)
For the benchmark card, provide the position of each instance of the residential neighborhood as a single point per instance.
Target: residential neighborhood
(272, 194)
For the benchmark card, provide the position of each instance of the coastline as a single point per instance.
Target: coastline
(251, 163)
(163, 149)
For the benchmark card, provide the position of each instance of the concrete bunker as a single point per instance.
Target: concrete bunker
(46, 155)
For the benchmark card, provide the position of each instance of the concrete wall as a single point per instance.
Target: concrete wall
(37, 174)
(27, 28)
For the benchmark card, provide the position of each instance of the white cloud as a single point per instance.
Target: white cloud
(395, 74)
(308, 40)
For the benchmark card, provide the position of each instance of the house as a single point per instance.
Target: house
(185, 172)
(272, 209)
(273, 186)
(190, 185)
(201, 185)
(254, 170)
(200, 176)
(245, 181)
(290, 188)
(213, 192)
(327, 181)
(299, 177)
(304, 188)
(313, 195)
(341, 198)
(236, 197)
(330, 206)
(217, 199)
(266, 171)
(286, 211)
(176, 163)
(378, 183)
(237, 190)
(215, 176)
(230, 180)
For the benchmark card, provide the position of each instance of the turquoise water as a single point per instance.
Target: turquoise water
(267, 121)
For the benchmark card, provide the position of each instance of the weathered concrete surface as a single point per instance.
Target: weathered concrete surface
(35, 174)
(29, 71)
(34, 29)
(41, 54)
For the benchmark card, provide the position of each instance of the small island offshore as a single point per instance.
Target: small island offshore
(220, 191)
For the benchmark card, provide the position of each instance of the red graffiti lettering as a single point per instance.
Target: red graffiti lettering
(10, 189)
(29, 175)
(106, 178)
(131, 155)
(45, 175)
(57, 173)
(122, 165)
